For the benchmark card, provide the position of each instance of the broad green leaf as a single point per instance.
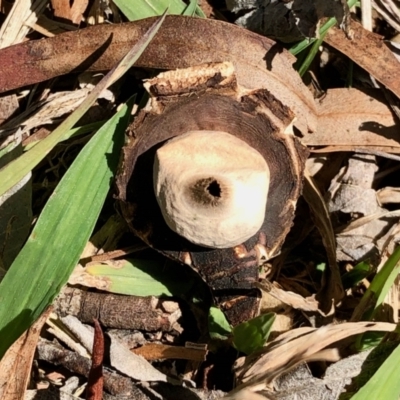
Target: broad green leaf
(252, 335)
(218, 325)
(140, 9)
(141, 277)
(385, 383)
(45, 262)
(13, 172)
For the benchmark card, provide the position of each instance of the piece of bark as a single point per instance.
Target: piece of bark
(57, 355)
(155, 351)
(116, 311)
(94, 389)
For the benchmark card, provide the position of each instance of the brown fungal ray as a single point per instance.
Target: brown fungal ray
(253, 118)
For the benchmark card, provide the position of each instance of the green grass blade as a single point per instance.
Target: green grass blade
(134, 10)
(193, 9)
(373, 298)
(311, 55)
(385, 383)
(44, 264)
(80, 130)
(13, 172)
(378, 289)
(299, 47)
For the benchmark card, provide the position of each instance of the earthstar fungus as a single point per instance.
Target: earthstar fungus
(211, 187)
(227, 174)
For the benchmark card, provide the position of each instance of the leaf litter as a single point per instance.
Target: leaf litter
(353, 207)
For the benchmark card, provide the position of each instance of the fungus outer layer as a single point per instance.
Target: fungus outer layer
(211, 187)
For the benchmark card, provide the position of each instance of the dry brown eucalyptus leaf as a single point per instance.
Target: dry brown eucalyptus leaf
(354, 118)
(181, 42)
(259, 62)
(370, 52)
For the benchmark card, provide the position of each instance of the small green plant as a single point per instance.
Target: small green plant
(246, 337)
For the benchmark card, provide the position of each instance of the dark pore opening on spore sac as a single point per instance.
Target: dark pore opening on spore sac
(214, 189)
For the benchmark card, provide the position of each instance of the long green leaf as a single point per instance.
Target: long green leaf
(385, 383)
(61, 232)
(373, 298)
(13, 172)
(378, 289)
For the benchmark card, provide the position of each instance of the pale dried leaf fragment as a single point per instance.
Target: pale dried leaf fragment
(291, 299)
(45, 394)
(63, 333)
(388, 195)
(297, 346)
(300, 383)
(22, 16)
(132, 365)
(54, 107)
(72, 11)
